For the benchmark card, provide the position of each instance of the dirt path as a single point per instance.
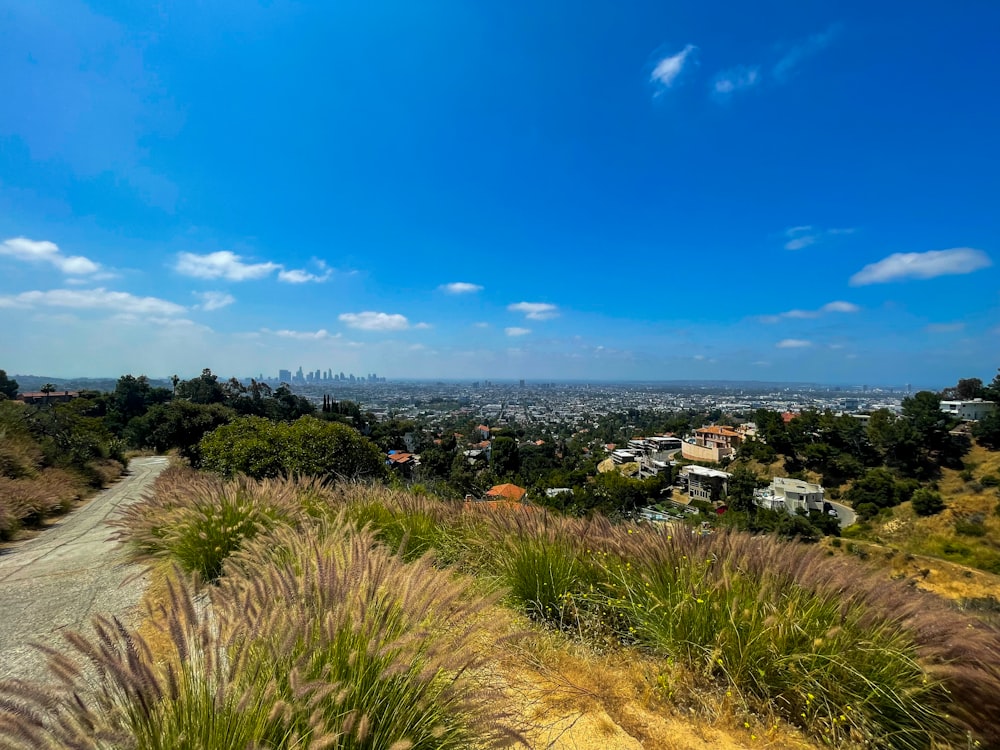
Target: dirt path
(57, 580)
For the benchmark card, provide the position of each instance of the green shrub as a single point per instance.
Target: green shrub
(927, 502)
(261, 448)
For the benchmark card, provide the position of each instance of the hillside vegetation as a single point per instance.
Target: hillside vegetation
(341, 614)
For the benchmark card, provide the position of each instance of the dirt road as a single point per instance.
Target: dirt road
(57, 580)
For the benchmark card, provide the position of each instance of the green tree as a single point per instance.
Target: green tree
(741, 485)
(8, 388)
(927, 502)
(205, 389)
(177, 424)
(504, 457)
(309, 446)
(987, 430)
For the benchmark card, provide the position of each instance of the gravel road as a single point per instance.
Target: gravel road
(67, 573)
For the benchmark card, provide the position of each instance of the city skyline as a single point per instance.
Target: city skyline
(788, 192)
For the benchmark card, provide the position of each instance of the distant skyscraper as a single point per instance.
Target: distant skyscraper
(285, 376)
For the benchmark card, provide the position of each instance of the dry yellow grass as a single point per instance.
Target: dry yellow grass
(566, 696)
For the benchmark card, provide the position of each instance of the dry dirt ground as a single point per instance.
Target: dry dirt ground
(62, 576)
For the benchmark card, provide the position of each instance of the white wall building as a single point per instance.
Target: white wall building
(790, 495)
(970, 411)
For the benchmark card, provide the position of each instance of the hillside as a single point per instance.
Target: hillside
(332, 603)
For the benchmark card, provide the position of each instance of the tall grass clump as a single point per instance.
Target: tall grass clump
(838, 650)
(389, 642)
(315, 639)
(198, 520)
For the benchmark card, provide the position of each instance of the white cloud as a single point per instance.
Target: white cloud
(804, 236)
(837, 306)
(298, 276)
(928, 265)
(761, 363)
(222, 265)
(214, 300)
(460, 287)
(668, 68)
(535, 310)
(319, 335)
(793, 344)
(481, 324)
(805, 49)
(515, 331)
(736, 79)
(93, 299)
(35, 251)
(375, 321)
(840, 306)
(423, 326)
(945, 327)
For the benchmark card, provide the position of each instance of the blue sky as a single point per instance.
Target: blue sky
(639, 190)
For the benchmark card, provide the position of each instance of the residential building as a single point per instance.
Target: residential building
(706, 484)
(791, 495)
(969, 411)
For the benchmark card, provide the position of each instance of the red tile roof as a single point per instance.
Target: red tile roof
(509, 491)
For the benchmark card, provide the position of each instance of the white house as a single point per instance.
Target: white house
(790, 495)
(705, 484)
(969, 411)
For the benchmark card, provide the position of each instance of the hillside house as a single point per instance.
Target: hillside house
(706, 484)
(791, 495)
(969, 411)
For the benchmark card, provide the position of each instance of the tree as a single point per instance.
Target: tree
(927, 502)
(261, 448)
(177, 424)
(8, 388)
(205, 389)
(742, 484)
(876, 488)
(504, 456)
(987, 430)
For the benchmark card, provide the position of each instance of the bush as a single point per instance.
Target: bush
(927, 502)
(197, 521)
(261, 448)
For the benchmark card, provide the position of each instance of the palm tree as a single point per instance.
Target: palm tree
(47, 389)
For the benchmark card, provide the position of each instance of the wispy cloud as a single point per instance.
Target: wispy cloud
(214, 300)
(736, 79)
(320, 335)
(837, 306)
(299, 276)
(515, 331)
(93, 299)
(460, 287)
(375, 321)
(667, 69)
(804, 236)
(928, 265)
(41, 251)
(803, 50)
(535, 310)
(945, 327)
(222, 265)
(793, 344)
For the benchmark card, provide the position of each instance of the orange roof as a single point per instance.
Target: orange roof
(400, 458)
(483, 445)
(717, 430)
(509, 491)
(483, 427)
(788, 416)
(539, 442)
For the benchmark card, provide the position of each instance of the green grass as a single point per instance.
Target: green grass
(322, 591)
